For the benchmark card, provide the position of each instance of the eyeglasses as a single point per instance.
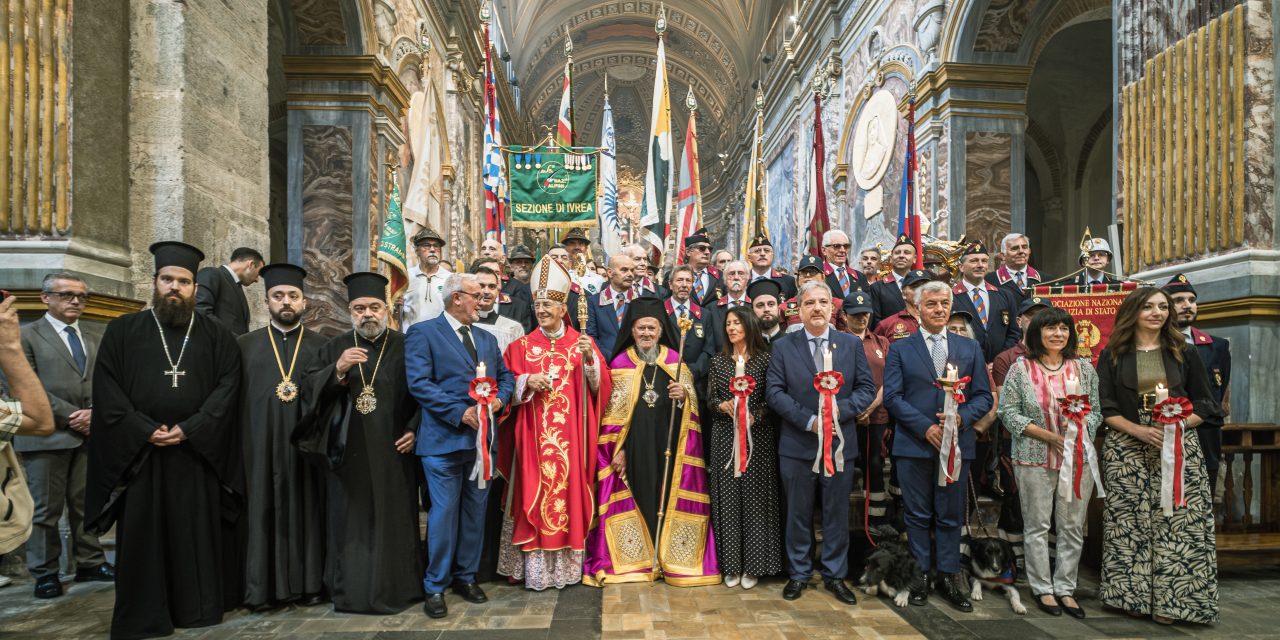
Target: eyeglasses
(69, 295)
(477, 295)
(839, 246)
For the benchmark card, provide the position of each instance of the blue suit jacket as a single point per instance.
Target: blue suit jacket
(602, 322)
(790, 393)
(440, 371)
(914, 401)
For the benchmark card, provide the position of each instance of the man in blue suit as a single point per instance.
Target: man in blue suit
(915, 402)
(790, 392)
(604, 311)
(441, 356)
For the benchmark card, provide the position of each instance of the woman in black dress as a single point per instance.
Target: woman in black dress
(745, 510)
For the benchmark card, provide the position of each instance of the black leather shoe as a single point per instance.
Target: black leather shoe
(101, 573)
(1051, 609)
(919, 588)
(434, 606)
(952, 588)
(311, 599)
(840, 590)
(1075, 612)
(471, 592)
(793, 590)
(48, 587)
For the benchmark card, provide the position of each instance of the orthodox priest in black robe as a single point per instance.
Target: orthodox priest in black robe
(361, 427)
(284, 496)
(160, 458)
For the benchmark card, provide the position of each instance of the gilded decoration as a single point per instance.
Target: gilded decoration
(553, 447)
(630, 548)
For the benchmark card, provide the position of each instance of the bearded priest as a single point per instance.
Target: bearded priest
(637, 437)
(548, 454)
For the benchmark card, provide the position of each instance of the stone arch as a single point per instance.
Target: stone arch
(326, 27)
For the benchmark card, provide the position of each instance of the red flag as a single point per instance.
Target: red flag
(819, 221)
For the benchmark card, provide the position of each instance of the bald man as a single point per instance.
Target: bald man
(605, 309)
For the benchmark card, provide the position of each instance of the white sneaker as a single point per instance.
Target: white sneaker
(731, 581)
(5, 580)
(749, 581)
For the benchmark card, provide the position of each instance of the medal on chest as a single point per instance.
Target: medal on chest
(650, 396)
(286, 390)
(366, 401)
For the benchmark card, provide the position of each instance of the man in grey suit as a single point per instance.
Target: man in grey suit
(61, 351)
(220, 290)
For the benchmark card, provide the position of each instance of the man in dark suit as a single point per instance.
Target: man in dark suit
(734, 277)
(699, 343)
(1215, 353)
(441, 357)
(62, 352)
(915, 403)
(707, 287)
(994, 309)
(644, 284)
(760, 254)
(886, 294)
(605, 311)
(220, 290)
(789, 389)
(842, 278)
(1095, 258)
(1016, 272)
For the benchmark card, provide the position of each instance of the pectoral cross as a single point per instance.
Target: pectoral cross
(174, 373)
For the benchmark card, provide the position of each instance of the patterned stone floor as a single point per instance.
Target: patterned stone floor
(658, 612)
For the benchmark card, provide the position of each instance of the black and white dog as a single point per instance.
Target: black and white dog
(889, 570)
(992, 565)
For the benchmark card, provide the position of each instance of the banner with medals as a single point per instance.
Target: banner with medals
(1094, 310)
(551, 188)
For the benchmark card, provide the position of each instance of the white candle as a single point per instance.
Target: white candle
(1162, 393)
(1073, 386)
(826, 360)
(740, 369)
(952, 376)
(480, 370)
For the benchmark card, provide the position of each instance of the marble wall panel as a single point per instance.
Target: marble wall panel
(1259, 125)
(327, 229)
(942, 215)
(1003, 25)
(783, 189)
(988, 186)
(1147, 27)
(319, 22)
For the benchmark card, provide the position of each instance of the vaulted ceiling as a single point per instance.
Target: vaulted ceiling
(711, 47)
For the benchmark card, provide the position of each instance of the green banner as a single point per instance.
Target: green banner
(552, 189)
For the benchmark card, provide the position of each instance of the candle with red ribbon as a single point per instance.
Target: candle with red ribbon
(1077, 450)
(830, 458)
(742, 387)
(949, 455)
(1172, 414)
(483, 390)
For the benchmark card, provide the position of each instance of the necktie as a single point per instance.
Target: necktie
(77, 348)
(817, 354)
(699, 289)
(620, 306)
(978, 304)
(466, 342)
(842, 277)
(1017, 277)
(683, 312)
(939, 355)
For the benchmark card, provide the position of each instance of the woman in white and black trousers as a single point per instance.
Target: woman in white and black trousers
(1029, 410)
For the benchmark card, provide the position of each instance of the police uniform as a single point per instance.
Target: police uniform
(902, 324)
(1005, 277)
(1215, 353)
(1000, 331)
(786, 282)
(886, 294)
(791, 310)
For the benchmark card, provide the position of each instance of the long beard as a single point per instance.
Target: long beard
(173, 312)
(649, 356)
(370, 329)
(768, 323)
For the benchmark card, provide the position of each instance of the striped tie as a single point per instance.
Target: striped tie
(982, 308)
(620, 304)
(699, 289)
(1018, 277)
(843, 277)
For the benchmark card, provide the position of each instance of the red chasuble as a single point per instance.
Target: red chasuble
(546, 455)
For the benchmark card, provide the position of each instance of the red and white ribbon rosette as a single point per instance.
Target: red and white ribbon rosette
(830, 458)
(742, 388)
(1172, 414)
(949, 455)
(1078, 453)
(483, 391)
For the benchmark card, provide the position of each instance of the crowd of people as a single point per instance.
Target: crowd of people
(627, 424)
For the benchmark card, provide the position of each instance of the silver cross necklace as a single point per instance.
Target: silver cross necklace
(173, 371)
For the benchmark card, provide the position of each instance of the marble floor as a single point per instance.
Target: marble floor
(658, 612)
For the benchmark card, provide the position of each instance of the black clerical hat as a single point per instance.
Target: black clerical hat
(172, 253)
(645, 307)
(765, 287)
(283, 273)
(366, 284)
(1180, 284)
